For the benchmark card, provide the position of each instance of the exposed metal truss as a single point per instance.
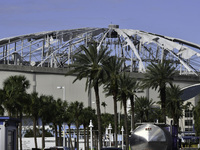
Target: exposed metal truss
(56, 48)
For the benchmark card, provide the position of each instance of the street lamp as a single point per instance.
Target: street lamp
(110, 128)
(91, 126)
(63, 88)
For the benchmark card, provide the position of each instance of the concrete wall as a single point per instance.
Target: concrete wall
(46, 80)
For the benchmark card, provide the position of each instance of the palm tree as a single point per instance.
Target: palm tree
(46, 113)
(143, 108)
(15, 93)
(54, 114)
(16, 97)
(77, 108)
(113, 68)
(88, 64)
(157, 77)
(33, 109)
(174, 104)
(132, 86)
(124, 93)
(69, 119)
(58, 117)
(2, 95)
(87, 114)
(63, 109)
(104, 105)
(106, 120)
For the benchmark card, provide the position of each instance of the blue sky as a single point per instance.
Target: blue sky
(175, 18)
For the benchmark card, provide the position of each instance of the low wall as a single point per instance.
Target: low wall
(28, 143)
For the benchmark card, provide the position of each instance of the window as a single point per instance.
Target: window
(188, 122)
(188, 129)
(188, 113)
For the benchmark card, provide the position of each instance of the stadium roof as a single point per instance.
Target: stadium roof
(56, 48)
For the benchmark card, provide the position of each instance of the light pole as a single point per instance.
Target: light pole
(90, 126)
(63, 88)
(93, 102)
(110, 128)
(122, 137)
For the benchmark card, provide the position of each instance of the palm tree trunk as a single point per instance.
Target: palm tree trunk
(70, 137)
(56, 135)
(84, 137)
(43, 135)
(87, 138)
(96, 89)
(163, 101)
(20, 131)
(17, 132)
(126, 122)
(77, 130)
(60, 135)
(115, 118)
(176, 121)
(132, 112)
(34, 131)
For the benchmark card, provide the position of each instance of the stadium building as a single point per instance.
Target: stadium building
(44, 58)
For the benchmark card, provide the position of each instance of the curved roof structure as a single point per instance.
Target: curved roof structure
(56, 48)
